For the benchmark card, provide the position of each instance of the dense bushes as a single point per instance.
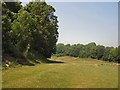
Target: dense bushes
(90, 50)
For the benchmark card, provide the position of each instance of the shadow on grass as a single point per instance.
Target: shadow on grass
(52, 61)
(27, 63)
(47, 61)
(10, 61)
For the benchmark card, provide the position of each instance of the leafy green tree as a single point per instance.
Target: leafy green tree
(107, 54)
(114, 55)
(46, 35)
(60, 49)
(8, 15)
(23, 27)
(100, 51)
(90, 50)
(74, 50)
(29, 30)
(83, 52)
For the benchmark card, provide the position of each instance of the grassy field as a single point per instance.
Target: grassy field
(70, 73)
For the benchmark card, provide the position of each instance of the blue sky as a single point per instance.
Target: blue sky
(85, 22)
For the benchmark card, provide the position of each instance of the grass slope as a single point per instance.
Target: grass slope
(72, 73)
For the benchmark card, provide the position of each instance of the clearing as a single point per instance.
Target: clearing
(70, 73)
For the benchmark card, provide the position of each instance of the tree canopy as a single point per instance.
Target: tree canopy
(28, 29)
(90, 50)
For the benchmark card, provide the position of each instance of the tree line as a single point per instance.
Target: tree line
(31, 30)
(90, 50)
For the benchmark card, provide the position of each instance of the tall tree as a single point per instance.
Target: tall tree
(23, 27)
(29, 29)
(46, 34)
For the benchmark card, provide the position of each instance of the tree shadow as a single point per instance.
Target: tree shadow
(27, 63)
(53, 61)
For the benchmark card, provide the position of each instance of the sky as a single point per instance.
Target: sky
(85, 22)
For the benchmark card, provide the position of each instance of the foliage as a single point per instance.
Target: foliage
(8, 15)
(45, 33)
(90, 50)
(32, 28)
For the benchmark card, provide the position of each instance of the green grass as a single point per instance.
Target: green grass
(73, 73)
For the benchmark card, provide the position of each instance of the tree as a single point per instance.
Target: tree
(100, 51)
(29, 30)
(74, 50)
(60, 49)
(23, 27)
(13, 6)
(118, 50)
(46, 35)
(91, 50)
(8, 15)
(107, 54)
